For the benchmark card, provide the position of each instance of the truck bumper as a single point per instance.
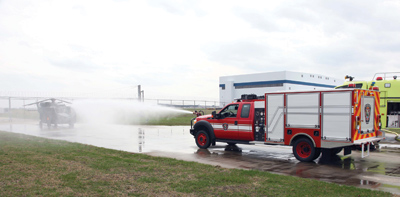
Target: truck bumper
(368, 140)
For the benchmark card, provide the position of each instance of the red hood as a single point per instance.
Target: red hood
(204, 117)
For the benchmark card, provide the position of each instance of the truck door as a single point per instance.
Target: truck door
(275, 117)
(336, 116)
(367, 114)
(244, 122)
(227, 126)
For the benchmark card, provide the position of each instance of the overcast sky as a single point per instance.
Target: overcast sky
(179, 48)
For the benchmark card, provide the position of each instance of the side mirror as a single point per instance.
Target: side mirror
(215, 115)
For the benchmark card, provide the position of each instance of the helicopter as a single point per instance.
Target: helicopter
(55, 111)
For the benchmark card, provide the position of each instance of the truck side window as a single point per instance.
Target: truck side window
(230, 111)
(245, 111)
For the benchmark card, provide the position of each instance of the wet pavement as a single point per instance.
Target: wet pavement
(381, 170)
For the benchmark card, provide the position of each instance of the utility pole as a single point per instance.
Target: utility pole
(139, 94)
(9, 109)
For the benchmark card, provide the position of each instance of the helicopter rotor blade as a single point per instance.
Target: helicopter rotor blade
(37, 102)
(64, 101)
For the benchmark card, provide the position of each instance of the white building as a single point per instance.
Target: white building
(232, 87)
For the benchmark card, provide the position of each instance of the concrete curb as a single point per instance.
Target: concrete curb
(389, 146)
(390, 142)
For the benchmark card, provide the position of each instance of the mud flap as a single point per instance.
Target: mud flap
(347, 150)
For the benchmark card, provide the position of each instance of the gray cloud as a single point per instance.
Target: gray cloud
(264, 21)
(82, 64)
(24, 82)
(178, 7)
(237, 53)
(334, 56)
(299, 12)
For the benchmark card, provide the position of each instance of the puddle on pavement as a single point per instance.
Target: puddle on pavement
(345, 170)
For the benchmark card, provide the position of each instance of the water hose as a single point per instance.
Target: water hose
(397, 135)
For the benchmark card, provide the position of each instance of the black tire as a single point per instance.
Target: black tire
(231, 144)
(203, 139)
(304, 150)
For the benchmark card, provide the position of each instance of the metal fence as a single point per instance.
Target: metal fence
(15, 107)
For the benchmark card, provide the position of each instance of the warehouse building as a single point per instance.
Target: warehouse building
(232, 87)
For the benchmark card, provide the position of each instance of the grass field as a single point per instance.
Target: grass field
(31, 166)
(178, 120)
(183, 119)
(396, 130)
(22, 114)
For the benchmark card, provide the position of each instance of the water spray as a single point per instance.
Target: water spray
(102, 111)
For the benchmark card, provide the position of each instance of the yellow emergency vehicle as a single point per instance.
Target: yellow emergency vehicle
(389, 86)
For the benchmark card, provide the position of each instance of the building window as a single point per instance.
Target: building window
(259, 86)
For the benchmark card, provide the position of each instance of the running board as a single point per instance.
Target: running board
(362, 150)
(257, 142)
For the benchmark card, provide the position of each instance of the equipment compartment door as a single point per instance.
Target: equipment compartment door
(275, 118)
(367, 114)
(302, 110)
(336, 116)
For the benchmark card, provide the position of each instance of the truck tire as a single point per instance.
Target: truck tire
(203, 139)
(304, 150)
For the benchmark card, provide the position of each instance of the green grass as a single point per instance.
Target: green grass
(21, 113)
(183, 119)
(178, 120)
(396, 130)
(32, 166)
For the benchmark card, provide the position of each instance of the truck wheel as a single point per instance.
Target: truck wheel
(304, 150)
(203, 139)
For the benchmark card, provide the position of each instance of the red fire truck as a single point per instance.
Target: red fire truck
(312, 122)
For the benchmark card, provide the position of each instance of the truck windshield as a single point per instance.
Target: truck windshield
(358, 85)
